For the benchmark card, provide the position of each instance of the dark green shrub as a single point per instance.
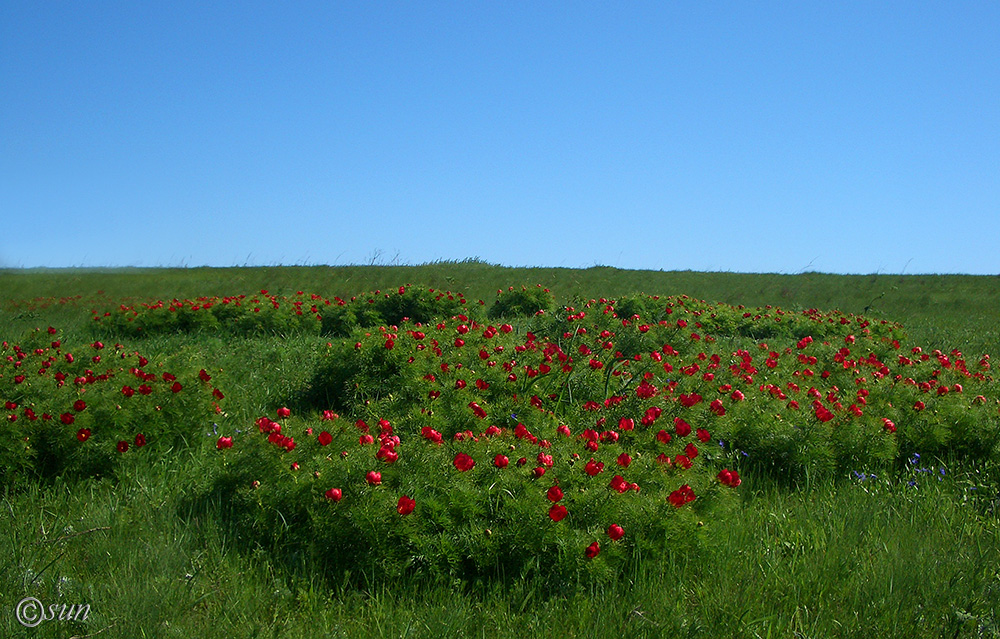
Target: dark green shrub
(523, 302)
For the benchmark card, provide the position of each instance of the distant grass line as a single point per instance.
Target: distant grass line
(945, 311)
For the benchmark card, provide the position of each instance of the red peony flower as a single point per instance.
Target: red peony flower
(624, 460)
(619, 484)
(67, 418)
(729, 478)
(325, 438)
(717, 407)
(681, 496)
(464, 462)
(140, 440)
(224, 442)
(500, 461)
(83, 434)
(681, 427)
(405, 505)
(284, 412)
(616, 532)
(122, 446)
(79, 405)
(554, 494)
(557, 512)
(593, 468)
(593, 550)
(374, 478)
(334, 494)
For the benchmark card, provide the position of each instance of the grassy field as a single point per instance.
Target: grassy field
(843, 556)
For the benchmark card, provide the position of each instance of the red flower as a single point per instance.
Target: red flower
(122, 446)
(334, 494)
(284, 412)
(83, 434)
(176, 387)
(729, 478)
(624, 460)
(717, 407)
(616, 532)
(663, 437)
(500, 461)
(681, 496)
(144, 389)
(619, 484)
(477, 410)
(918, 406)
(373, 477)
(224, 442)
(626, 423)
(691, 451)
(325, 438)
(554, 494)
(203, 375)
(681, 427)
(703, 435)
(823, 414)
(593, 468)
(67, 419)
(557, 512)
(405, 505)
(593, 550)
(79, 405)
(140, 440)
(464, 462)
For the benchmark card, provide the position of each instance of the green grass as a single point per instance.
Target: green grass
(838, 560)
(843, 557)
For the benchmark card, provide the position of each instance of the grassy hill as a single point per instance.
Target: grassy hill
(185, 546)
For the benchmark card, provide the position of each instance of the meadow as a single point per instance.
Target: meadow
(461, 449)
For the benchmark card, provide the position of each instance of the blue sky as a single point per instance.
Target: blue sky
(857, 137)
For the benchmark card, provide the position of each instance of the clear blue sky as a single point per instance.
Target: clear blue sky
(855, 137)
